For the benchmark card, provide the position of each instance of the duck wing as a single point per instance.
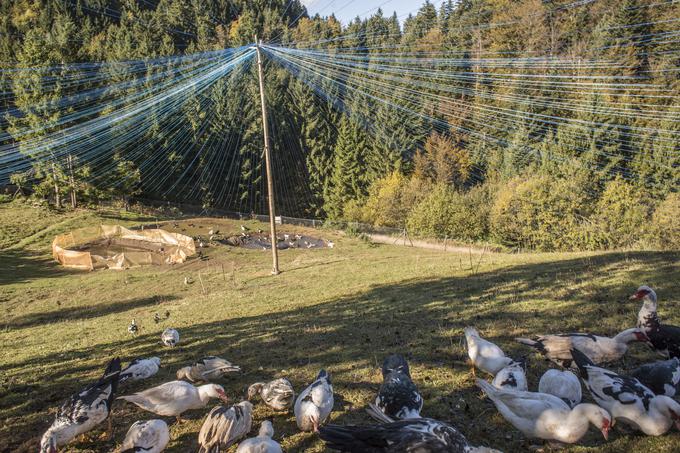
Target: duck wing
(608, 387)
(146, 435)
(526, 405)
(663, 378)
(665, 339)
(511, 377)
(222, 428)
(215, 366)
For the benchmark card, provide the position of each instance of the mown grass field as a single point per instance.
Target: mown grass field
(343, 309)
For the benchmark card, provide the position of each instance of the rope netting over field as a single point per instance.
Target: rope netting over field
(187, 127)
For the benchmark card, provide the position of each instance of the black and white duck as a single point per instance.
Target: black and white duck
(512, 376)
(83, 411)
(170, 337)
(398, 397)
(315, 403)
(557, 348)
(277, 394)
(662, 378)
(140, 369)
(627, 399)
(207, 369)
(663, 338)
(422, 435)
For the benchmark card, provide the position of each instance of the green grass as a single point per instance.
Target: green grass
(343, 309)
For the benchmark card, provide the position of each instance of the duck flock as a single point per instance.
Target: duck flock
(643, 400)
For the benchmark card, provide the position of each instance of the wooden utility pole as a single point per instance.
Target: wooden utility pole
(268, 163)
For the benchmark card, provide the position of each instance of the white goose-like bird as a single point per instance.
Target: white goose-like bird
(173, 398)
(627, 399)
(207, 369)
(83, 411)
(148, 436)
(511, 377)
(277, 394)
(484, 354)
(223, 427)
(543, 416)
(263, 443)
(315, 403)
(562, 384)
(557, 348)
(140, 369)
(170, 337)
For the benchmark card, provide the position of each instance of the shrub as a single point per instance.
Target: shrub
(540, 212)
(447, 213)
(621, 215)
(664, 229)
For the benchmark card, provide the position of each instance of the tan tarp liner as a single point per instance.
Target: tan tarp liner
(115, 247)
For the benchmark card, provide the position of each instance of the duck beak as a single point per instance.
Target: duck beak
(606, 426)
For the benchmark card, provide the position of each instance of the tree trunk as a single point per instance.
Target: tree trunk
(57, 198)
(74, 200)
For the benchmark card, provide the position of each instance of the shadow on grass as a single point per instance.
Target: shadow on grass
(421, 318)
(21, 266)
(81, 313)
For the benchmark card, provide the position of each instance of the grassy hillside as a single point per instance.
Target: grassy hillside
(343, 309)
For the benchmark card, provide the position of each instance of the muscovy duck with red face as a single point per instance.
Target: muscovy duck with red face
(664, 338)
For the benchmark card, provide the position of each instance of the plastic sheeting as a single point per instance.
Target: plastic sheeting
(116, 247)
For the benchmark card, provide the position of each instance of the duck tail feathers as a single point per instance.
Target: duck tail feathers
(528, 342)
(486, 387)
(375, 412)
(342, 438)
(582, 361)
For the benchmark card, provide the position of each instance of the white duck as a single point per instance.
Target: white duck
(511, 377)
(557, 348)
(148, 436)
(562, 384)
(315, 403)
(83, 411)
(277, 394)
(170, 337)
(223, 427)
(263, 443)
(483, 354)
(207, 369)
(627, 399)
(140, 369)
(173, 398)
(543, 416)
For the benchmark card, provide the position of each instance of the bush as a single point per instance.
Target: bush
(664, 229)
(541, 212)
(621, 215)
(447, 213)
(389, 201)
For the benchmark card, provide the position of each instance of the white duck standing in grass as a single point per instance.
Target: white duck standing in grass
(543, 416)
(207, 369)
(483, 354)
(315, 403)
(83, 411)
(557, 348)
(173, 398)
(147, 436)
(627, 399)
(170, 337)
(511, 377)
(223, 427)
(140, 369)
(562, 384)
(263, 443)
(277, 394)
